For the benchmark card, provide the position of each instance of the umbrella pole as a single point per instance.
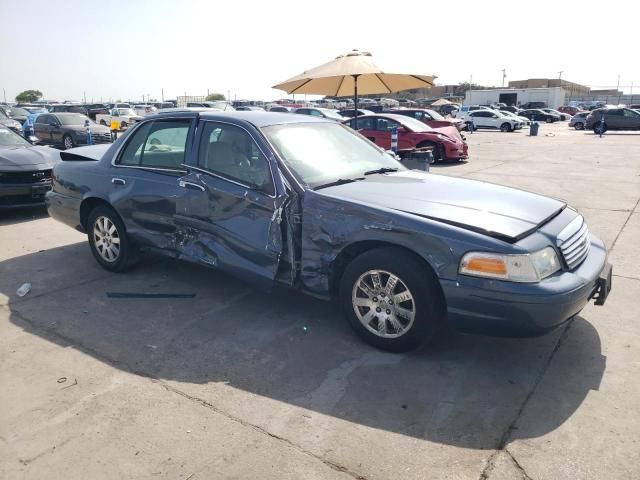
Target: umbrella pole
(355, 100)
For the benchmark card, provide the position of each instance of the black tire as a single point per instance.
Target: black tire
(103, 123)
(67, 141)
(123, 125)
(426, 304)
(128, 253)
(578, 126)
(437, 153)
(599, 128)
(505, 127)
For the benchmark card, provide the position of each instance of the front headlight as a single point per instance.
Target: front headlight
(530, 267)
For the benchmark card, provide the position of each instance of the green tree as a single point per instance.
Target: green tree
(212, 97)
(29, 96)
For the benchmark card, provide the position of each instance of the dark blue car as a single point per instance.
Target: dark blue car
(310, 204)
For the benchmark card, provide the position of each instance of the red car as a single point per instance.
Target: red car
(447, 142)
(430, 117)
(569, 110)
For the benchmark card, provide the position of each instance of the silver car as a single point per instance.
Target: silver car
(579, 120)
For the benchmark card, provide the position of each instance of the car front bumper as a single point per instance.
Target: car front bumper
(23, 194)
(456, 151)
(522, 310)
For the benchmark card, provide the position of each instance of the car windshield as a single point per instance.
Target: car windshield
(435, 115)
(36, 110)
(125, 111)
(73, 119)
(413, 124)
(320, 153)
(332, 114)
(19, 112)
(11, 139)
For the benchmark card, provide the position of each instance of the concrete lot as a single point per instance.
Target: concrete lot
(239, 384)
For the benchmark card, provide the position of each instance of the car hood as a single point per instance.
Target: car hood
(451, 132)
(494, 210)
(27, 157)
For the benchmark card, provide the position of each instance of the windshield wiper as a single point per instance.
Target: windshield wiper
(381, 170)
(340, 181)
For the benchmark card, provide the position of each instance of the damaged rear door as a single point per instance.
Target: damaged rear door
(228, 214)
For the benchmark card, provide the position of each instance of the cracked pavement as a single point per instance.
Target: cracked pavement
(236, 383)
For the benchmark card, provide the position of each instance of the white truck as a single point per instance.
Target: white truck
(124, 116)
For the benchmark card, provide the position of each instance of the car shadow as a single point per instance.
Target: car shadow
(463, 390)
(20, 215)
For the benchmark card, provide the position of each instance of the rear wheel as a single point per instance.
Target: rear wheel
(390, 301)
(67, 141)
(108, 240)
(505, 127)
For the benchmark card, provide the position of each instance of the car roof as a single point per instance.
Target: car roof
(257, 118)
(64, 114)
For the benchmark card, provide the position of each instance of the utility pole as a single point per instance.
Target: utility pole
(228, 95)
(84, 95)
(162, 89)
(504, 75)
(4, 94)
(560, 74)
(618, 86)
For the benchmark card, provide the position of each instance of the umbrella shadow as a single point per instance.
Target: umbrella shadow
(464, 390)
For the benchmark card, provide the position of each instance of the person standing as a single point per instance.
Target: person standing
(115, 126)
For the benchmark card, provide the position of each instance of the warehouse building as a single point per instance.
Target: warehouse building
(553, 97)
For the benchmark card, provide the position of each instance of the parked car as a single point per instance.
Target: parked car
(93, 109)
(219, 104)
(25, 170)
(471, 108)
(350, 113)
(429, 117)
(492, 119)
(579, 120)
(68, 130)
(446, 142)
(281, 109)
(509, 108)
(563, 116)
(124, 116)
(634, 107)
(249, 108)
(320, 112)
(143, 110)
(449, 109)
(523, 120)
(614, 119)
(403, 252)
(533, 105)
(20, 114)
(66, 107)
(14, 125)
(569, 110)
(539, 115)
(161, 105)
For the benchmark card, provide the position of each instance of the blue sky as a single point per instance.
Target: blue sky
(124, 49)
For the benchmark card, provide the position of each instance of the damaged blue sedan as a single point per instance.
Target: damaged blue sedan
(310, 204)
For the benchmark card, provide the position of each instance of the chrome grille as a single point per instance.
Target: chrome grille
(574, 242)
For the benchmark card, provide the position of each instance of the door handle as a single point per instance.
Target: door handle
(118, 181)
(193, 186)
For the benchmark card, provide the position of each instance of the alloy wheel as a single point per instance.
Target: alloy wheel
(383, 303)
(106, 239)
(68, 142)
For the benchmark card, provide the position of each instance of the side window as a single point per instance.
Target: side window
(418, 115)
(315, 113)
(364, 123)
(44, 119)
(617, 113)
(159, 144)
(631, 113)
(230, 152)
(384, 125)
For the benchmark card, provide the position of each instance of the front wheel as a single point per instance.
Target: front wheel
(436, 151)
(579, 126)
(108, 240)
(549, 120)
(505, 127)
(392, 302)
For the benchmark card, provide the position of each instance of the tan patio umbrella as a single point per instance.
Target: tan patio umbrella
(352, 74)
(440, 102)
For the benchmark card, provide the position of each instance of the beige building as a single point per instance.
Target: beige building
(571, 89)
